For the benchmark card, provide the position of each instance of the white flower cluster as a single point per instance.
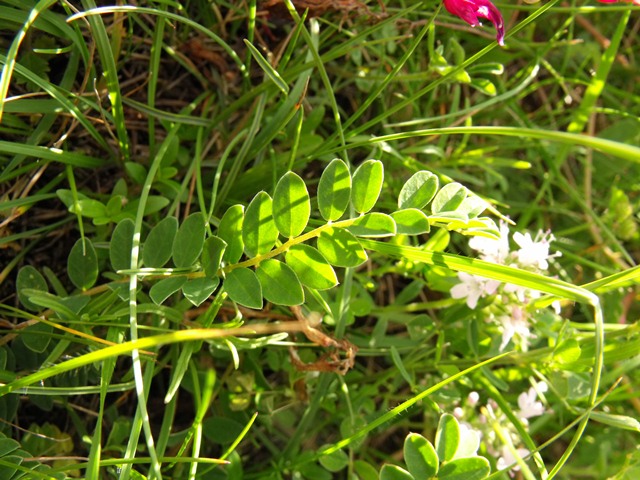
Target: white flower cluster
(533, 254)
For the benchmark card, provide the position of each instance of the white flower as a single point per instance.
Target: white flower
(534, 252)
(507, 458)
(472, 288)
(527, 401)
(473, 398)
(469, 441)
(495, 251)
(515, 324)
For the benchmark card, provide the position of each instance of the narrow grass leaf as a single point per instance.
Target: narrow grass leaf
(230, 230)
(373, 224)
(166, 287)
(198, 290)
(291, 205)
(418, 191)
(121, 244)
(189, 241)
(280, 284)
(244, 288)
(449, 198)
(311, 267)
(341, 248)
(158, 247)
(366, 185)
(447, 437)
(259, 232)
(470, 468)
(334, 190)
(30, 278)
(420, 456)
(82, 264)
(266, 67)
(411, 221)
(212, 253)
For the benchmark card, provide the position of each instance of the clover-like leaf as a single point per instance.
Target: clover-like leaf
(449, 198)
(373, 224)
(311, 267)
(162, 290)
(243, 287)
(157, 248)
(411, 221)
(82, 264)
(334, 190)
(230, 230)
(291, 205)
(469, 468)
(212, 253)
(341, 248)
(393, 472)
(188, 242)
(259, 231)
(366, 185)
(280, 285)
(418, 191)
(420, 456)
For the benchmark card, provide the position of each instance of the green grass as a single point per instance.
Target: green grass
(127, 355)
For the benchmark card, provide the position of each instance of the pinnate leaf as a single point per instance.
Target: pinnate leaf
(243, 287)
(259, 231)
(280, 285)
(230, 230)
(373, 225)
(411, 221)
(189, 241)
(418, 191)
(82, 264)
(341, 248)
(366, 185)
(157, 248)
(334, 190)
(311, 267)
(291, 205)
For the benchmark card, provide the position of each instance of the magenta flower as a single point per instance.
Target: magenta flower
(471, 11)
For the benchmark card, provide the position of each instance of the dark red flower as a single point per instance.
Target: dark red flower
(471, 11)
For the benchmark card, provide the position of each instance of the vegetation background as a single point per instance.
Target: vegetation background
(118, 123)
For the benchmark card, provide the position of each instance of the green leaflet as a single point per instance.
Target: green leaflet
(163, 289)
(373, 225)
(230, 230)
(30, 278)
(418, 191)
(291, 205)
(449, 198)
(199, 289)
(341, 248)
(212, 253)
(121, 244)
(366, 185)
(244, 288)
(311, 267)
(280, 285)
(447, 437)
(411, 221)
(259, 231)
(82, 264)
(334, 190)
(157, 248)
(420, 456)
(189, 241)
